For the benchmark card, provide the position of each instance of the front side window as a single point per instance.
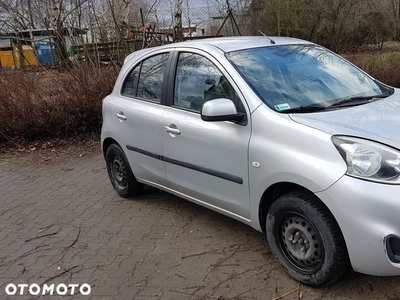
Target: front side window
(298, 76)
(199, 80)
(146, 79)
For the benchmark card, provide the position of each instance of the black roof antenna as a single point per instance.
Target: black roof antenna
(271, 40)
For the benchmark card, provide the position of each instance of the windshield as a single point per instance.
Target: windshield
(297, 76)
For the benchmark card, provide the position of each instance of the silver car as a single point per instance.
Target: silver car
(277, 133)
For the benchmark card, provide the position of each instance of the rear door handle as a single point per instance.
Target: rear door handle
(121, 116)
(172, 130)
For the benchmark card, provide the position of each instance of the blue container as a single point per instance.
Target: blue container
(45, 53)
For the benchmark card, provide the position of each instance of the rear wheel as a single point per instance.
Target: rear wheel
(306, 239)
(120, 173)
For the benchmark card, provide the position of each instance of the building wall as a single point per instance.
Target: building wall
(4, 42)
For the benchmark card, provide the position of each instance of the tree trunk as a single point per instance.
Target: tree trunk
(125, 30)
(178, 33)
(21, 53)
(57, 25)
(30, 11)
(398, 22)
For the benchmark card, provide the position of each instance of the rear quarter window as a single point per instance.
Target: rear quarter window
(146, 79)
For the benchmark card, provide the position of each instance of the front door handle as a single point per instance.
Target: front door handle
(121, 116)
(172, 130)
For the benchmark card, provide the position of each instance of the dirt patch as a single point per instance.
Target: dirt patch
(54, 150)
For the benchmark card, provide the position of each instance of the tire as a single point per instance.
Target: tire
(306, 240)
(120, 173)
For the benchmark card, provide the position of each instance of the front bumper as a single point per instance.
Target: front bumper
(369, 216)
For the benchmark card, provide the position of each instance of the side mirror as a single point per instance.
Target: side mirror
(220, 110)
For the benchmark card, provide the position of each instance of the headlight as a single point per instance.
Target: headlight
(369, 160)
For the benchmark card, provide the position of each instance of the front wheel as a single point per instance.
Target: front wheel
(120, 173)
(306, 239)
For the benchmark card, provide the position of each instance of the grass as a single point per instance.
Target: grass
(381, 64)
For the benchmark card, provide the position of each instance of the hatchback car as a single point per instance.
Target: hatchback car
(278, 133)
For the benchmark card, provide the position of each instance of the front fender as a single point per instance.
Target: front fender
(281, 150)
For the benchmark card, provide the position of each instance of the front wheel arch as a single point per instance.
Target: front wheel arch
(271, 195)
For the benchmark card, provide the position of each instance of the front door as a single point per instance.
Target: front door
(207, 161)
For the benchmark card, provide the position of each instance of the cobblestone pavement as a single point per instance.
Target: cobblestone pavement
(61, 222)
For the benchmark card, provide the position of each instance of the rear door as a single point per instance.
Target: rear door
(137, 117)
(207, 161)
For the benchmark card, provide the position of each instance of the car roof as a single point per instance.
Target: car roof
(227, 44)
(234, 43)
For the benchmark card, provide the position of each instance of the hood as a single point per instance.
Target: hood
(378, 120)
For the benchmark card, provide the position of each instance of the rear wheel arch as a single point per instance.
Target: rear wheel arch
(120, 172)
(106, 143)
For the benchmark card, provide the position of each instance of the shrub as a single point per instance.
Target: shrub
(48, 104)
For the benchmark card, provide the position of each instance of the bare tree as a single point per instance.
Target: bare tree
(59, 12)
(17, 17)
(333, 23)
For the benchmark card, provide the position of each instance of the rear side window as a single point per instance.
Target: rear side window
(145, 80)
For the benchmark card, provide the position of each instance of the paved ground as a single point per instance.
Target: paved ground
(61, 222)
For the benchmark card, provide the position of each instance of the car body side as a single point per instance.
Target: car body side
(280, 159)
